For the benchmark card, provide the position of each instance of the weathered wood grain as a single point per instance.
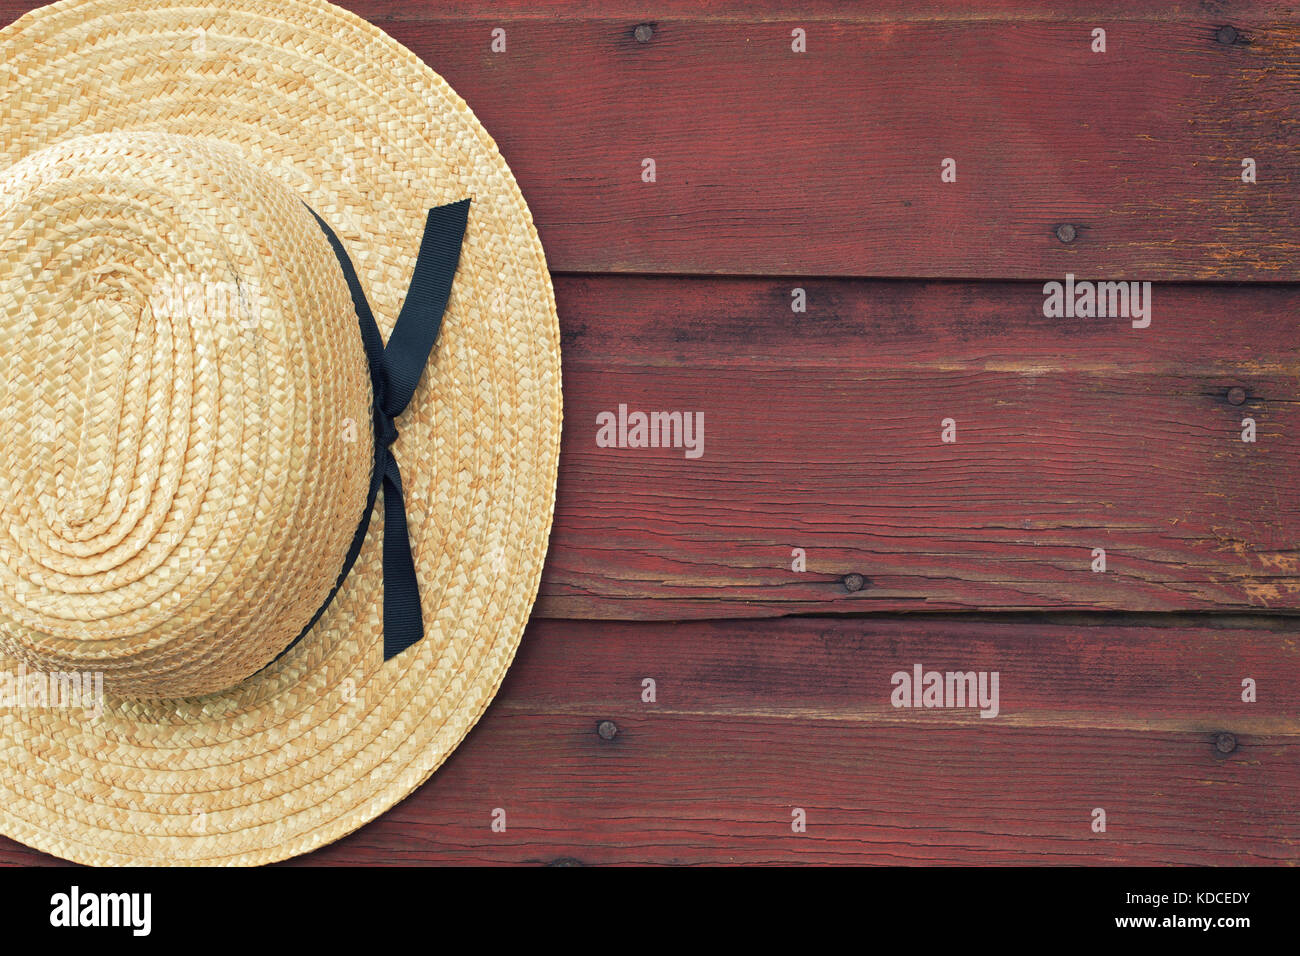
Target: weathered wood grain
(1244, 12)
(822, 432)
(1237, 11)
(752, 719)
(828, 162)
(722, 790)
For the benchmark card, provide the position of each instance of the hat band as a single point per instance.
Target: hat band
(395, 370)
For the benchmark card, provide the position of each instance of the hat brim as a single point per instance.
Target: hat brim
(329, 736)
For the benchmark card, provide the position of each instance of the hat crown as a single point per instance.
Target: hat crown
(187, 435)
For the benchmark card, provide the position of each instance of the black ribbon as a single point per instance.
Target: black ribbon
(395, 371)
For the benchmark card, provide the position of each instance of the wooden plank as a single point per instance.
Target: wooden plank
(1240, 11)
(828, 162)
(722, 790)
(822, 432)
(752, 719)
(1244, 12)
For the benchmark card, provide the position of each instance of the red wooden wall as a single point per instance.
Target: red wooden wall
(820, 171)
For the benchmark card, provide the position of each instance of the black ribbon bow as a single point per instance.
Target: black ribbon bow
(395, 371)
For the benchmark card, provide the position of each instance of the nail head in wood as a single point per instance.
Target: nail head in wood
(644, 33)
(607, 729)
(1236, 395)
(854, 582)
(1225, 743)
(1066, 232)
(1226, 35)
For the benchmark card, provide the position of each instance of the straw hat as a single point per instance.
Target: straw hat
(210, 213)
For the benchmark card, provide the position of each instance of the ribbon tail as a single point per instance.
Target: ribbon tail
(395, 372)
(404, 357)
(403, 621)
(417, 326)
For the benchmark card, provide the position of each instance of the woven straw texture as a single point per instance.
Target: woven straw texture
(176, 494)
(183, 386)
